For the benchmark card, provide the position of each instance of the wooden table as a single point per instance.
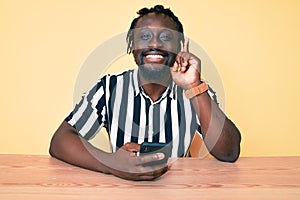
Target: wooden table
(42, 177)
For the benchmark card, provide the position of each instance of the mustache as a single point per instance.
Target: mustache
(158, 50)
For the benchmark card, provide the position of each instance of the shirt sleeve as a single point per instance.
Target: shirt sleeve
(88, 116)
(213, 95)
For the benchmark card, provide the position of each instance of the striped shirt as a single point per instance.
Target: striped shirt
(118, 103)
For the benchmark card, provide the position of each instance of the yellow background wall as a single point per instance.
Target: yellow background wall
(255, 46)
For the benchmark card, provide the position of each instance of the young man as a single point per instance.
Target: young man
(164, 100)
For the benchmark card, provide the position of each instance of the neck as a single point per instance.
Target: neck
(154, 88)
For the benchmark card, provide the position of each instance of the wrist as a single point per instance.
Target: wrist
(196, 90)
(193, 85)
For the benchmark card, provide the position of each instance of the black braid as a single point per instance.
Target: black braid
(158, 9)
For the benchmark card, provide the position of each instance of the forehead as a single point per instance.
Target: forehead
(153, 20)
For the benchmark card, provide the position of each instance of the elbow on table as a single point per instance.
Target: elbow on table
(57, 146)
(52, 147)
(231, 155)
(230, 151)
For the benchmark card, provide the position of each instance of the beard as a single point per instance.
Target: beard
(152, 74)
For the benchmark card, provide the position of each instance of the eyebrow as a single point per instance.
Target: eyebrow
(151, 28)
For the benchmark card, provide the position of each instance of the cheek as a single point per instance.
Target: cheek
(172, 58)
(172, 47)
(137, 56)
(138, 44)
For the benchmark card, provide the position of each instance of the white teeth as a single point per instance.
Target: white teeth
(154, 56)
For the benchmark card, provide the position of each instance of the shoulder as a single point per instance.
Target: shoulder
(121, 76)
(111, 80)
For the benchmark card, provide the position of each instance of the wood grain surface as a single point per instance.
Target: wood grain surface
(42, 177)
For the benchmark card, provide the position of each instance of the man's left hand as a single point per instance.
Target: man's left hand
(186, 71)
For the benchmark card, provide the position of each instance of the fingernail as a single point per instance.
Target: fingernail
(160, 156)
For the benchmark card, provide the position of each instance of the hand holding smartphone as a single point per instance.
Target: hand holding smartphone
(152, 147)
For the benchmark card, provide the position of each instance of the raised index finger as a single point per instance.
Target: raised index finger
(186, 45)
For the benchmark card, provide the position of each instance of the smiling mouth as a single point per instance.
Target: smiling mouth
(155, 57)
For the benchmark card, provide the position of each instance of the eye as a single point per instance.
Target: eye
(146, 35)
(165, 36)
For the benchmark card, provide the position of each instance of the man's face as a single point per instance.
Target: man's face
(155, 45)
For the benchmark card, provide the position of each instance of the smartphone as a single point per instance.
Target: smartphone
(154, 147)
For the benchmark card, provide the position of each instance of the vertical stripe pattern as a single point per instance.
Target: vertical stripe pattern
(119, 103)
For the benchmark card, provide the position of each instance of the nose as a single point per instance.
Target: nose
(155, 42)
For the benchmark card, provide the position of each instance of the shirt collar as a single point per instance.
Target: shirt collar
(171, 91)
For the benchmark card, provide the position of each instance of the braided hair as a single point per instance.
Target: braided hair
(158, 9)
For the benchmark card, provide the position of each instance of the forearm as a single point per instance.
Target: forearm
(221, 136)
(66, 145)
